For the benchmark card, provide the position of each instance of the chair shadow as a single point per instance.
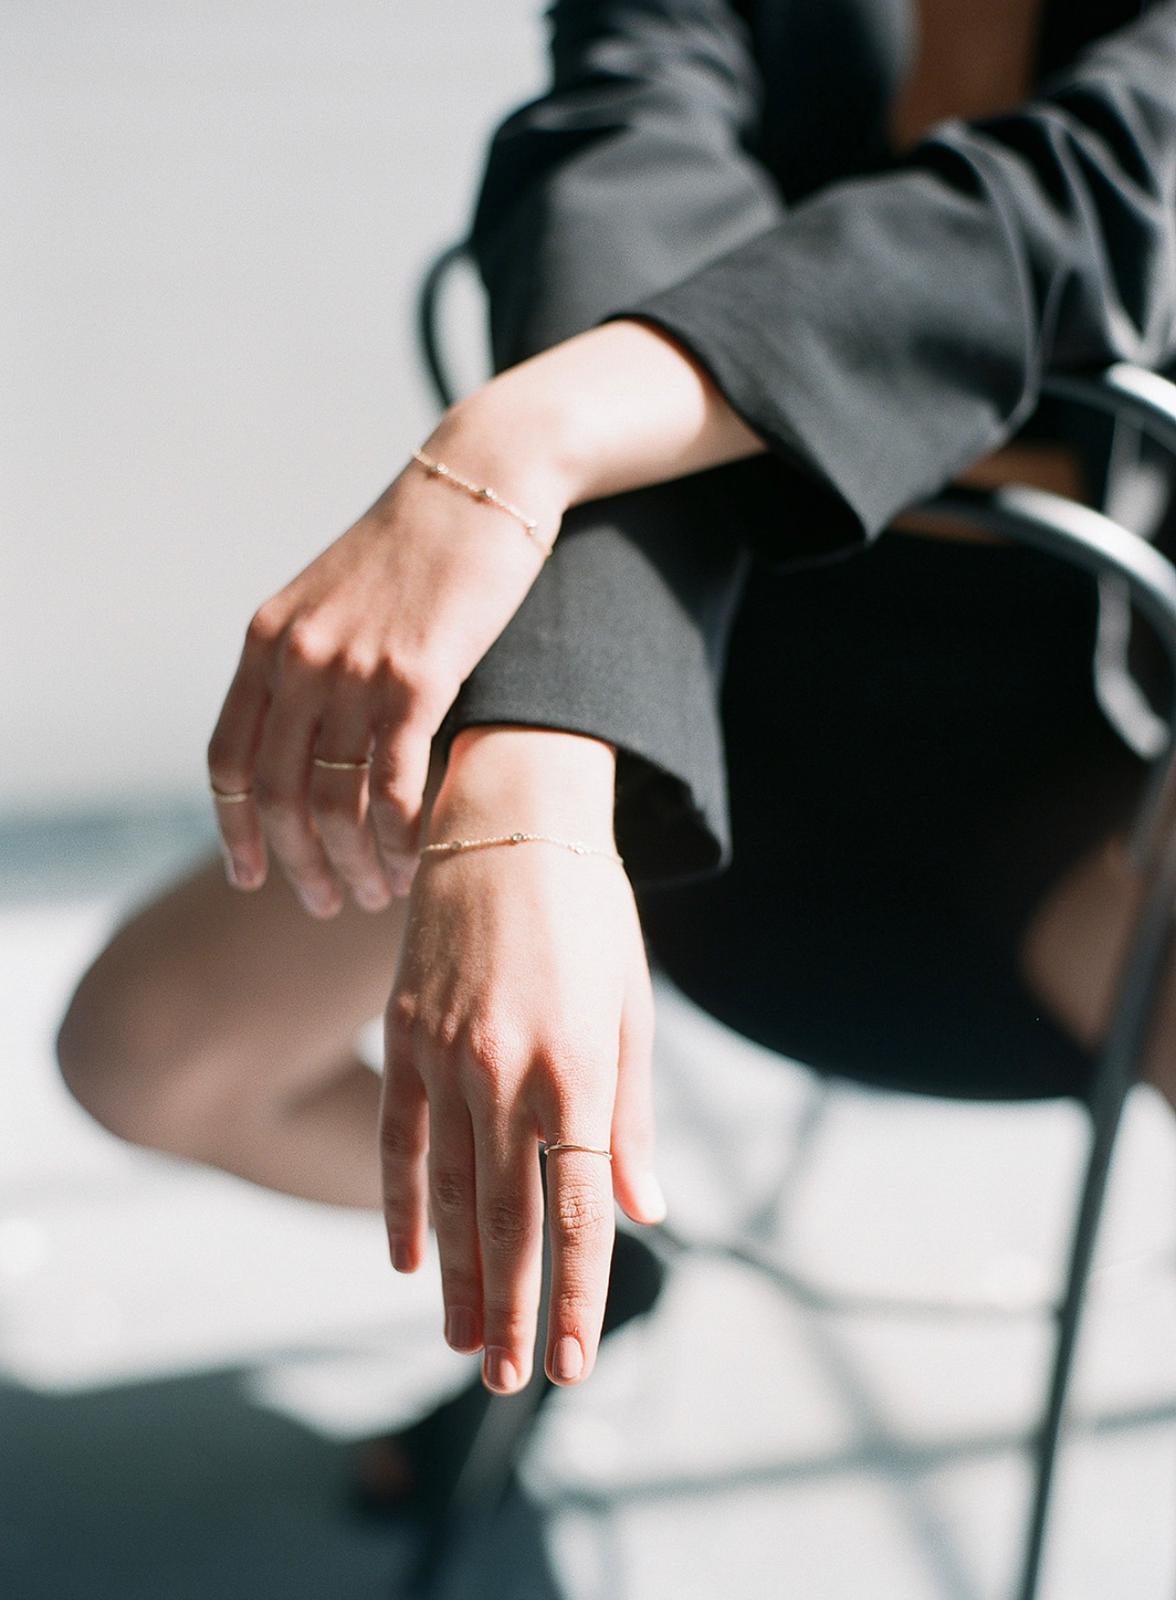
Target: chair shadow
(184, 1488)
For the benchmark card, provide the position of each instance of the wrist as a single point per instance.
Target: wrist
(508, 441)
(502, 778)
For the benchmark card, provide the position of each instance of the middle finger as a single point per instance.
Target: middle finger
(453, 1207)
(510, 1229)
(581, 1222)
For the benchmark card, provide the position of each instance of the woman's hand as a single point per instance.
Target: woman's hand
(363, 652)
(521, 1011)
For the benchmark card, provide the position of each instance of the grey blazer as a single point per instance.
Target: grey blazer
(722, 170)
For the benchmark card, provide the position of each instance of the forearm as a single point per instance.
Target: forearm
(615, 408)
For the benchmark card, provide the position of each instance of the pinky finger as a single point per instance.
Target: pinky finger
(404, 1143)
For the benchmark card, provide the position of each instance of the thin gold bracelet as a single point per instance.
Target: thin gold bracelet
(452, 847)
(482, 491)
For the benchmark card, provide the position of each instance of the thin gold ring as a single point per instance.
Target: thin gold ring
(342, 766)
(566, 1144)
(231, 797)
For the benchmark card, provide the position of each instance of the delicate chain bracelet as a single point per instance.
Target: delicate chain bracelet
(482, 491)
(451, 847)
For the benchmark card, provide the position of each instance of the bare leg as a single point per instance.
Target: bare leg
(221, 1025)
(1073, 949)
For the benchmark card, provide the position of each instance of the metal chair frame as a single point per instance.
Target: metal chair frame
(1085, 538)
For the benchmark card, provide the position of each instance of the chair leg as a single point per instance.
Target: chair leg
(1068, 1318)
(1116, 1072)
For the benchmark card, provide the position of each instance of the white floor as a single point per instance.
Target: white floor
(863, 1439)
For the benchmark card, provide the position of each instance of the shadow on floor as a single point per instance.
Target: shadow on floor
(184, 1490)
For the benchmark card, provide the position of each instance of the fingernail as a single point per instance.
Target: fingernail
(460, 1332)
(372, 897)
(650, 1197)
(567, 1362)
(401, 872)
(401, 1253)
(230, 869)
(319, 902)
(500, 1371)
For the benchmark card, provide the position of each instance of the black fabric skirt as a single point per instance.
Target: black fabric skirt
(914, 755)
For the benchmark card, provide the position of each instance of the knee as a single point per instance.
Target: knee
(128, 1064)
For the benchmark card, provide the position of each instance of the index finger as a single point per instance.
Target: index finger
(581, 1225)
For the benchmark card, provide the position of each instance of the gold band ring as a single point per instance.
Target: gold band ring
(566, 1144)
(230, 797)
(342, 766)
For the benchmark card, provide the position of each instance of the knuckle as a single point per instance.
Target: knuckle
(459, 1287)
(579, 1215)
(504, 1224)
(508, 1323)
(452, 1192)
(386, 789)
(397, 674)
(397, 1141)
(401, 1017)
(266, 625)
(447, 1033)
(310, 643)
(571, 1307)
(355, 664)
(487, 1048)
(416, 685)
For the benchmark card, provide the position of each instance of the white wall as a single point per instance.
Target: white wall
(215, 217)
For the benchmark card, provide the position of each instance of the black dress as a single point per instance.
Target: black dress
(847, 766)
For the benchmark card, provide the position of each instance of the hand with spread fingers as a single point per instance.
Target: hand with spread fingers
(321, 750)
(521, 1016)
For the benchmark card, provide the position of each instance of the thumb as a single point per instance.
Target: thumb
(635, 1183)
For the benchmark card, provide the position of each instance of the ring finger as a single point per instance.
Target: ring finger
(581, 1222)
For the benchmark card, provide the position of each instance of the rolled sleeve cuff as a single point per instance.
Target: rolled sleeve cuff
(621, 638)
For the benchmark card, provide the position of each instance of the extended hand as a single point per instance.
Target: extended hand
(521, 1012)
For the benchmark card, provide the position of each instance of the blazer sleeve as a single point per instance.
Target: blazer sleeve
(632, 168)
(892, 329)
(880, 336)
